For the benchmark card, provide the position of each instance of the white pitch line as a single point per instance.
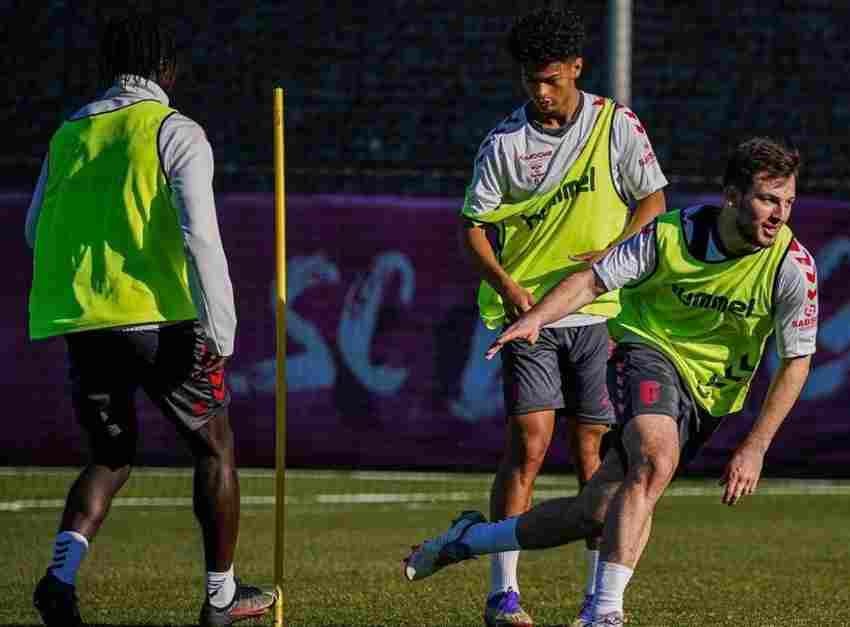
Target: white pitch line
(564, 482)
(790, 489)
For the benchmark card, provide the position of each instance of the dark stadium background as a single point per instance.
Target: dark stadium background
(394, 96)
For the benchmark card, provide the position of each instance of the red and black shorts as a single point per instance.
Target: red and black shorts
(172, 364)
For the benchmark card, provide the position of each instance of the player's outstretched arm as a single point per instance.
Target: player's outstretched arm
(742, 473)
(571, 294)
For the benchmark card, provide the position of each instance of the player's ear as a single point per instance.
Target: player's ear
(575, 67)
(731, 196)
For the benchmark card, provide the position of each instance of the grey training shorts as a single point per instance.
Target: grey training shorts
(643, 380)
(563, 371)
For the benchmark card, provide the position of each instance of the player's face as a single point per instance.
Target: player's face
(550, 87)
(764, 208)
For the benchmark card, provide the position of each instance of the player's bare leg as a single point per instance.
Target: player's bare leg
(527, 439)
(90, 498)
(584, 441)
(216, 491)
(86, 507)
(552, 523)
(216, 505)
(556, 522)
(651, 442)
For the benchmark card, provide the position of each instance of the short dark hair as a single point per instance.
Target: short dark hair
(138, 43)
(545, 36)
(772, 157)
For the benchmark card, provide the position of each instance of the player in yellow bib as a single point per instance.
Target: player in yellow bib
(555, 181)
(129, 268)
(702, 290)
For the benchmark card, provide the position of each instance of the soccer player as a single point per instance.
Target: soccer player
(129, 268)
(556, 180)
(703, 289)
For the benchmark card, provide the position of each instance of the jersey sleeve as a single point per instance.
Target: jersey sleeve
(796, 303)
(34, 210)
(187, 159)
(635, 165)
(487, 188)
(631, 260)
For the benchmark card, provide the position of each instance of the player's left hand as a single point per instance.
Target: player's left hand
(741, 475)
(526, 328)
(591, 256)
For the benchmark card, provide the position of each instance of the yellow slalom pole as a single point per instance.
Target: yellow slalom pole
(280, 379)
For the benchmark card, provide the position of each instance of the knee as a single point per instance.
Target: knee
(213, 442)
(651, 475)
(526, 457)
(592, 520)
(586, 445)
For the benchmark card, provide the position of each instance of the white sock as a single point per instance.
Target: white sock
(69, 549)
(221, 587)
(503, 572)
(492, 537)
(611, 582)
(591, 558)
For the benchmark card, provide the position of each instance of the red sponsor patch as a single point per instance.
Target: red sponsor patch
(804, 324)
(647, 159)
(216, 379)
(650, 392)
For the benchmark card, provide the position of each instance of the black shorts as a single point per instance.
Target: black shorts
(642, 380)
(170, 363)
(563, 371)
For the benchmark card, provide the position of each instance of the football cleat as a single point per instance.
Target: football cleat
(611, 619)
(57, 602)
(248, 602)
(434, 554)
(585, 614)
(503, 610)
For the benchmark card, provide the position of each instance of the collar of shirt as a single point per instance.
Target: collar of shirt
(136, 87)
(127, 90)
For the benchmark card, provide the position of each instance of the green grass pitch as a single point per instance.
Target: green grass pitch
(780, 558)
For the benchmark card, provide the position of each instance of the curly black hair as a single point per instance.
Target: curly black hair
(545, 36)
(138, 43)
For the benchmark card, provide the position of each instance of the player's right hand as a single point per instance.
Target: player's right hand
(526, 328)
(517, 300)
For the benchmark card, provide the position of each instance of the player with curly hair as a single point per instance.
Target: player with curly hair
(566, 176)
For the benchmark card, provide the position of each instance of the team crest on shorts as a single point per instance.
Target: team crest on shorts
(650, 392)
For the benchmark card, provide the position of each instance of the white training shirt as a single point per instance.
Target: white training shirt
(187, 159)
(519, 158)
(795, 299)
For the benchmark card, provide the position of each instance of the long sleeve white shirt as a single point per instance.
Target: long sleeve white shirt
(187, 160)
